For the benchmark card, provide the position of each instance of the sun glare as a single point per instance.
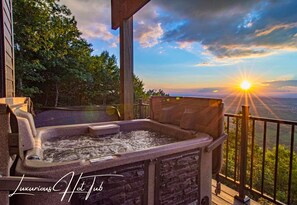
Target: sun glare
(245, 85)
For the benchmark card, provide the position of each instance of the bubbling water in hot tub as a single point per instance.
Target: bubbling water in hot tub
(68, 148)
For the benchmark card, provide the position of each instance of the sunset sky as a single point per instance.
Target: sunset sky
(199, 47)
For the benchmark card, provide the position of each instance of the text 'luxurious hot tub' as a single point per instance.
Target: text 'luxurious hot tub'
(175, 171)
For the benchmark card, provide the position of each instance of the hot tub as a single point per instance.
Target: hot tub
(179, 172)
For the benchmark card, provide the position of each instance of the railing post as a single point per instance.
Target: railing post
(243, 154)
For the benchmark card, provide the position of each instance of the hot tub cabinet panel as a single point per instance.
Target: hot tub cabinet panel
(177, 178)
(129, 189)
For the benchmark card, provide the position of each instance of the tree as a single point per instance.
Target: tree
(31, 37)
(105, 83)
(55, 65)
(48, 47)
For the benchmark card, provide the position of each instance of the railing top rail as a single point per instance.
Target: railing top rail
(232, 115)
(281, 121)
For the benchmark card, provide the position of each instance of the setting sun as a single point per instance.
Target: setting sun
(245, 85)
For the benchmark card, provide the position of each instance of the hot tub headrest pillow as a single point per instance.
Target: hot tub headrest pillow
(29, 117)
(26, 139)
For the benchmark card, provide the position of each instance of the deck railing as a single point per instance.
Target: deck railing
(141, 110)
(260, 158)
(266, 169)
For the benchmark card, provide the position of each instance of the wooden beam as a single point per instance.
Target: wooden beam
(124, 9)
(115, 14)
(126, 68)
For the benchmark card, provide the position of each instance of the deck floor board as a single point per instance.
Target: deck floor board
(226, 196)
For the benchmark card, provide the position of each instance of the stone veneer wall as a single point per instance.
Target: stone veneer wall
(126, 190)
(178, 179)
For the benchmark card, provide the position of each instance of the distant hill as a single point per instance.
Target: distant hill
(279, 108)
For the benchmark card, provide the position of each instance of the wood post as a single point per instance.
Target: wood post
(126, 68)
(122, 12)
(243, 154)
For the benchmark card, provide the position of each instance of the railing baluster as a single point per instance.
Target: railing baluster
(276, 161)
(291, 163)
(227, 147)
(252, 155)
(263, 159)
(236, 148)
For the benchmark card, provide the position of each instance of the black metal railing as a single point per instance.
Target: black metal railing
(262, 161)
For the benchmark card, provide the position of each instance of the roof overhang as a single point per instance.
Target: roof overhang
(124, 9)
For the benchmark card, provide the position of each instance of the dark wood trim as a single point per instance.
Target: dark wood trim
(2, 54)
(124, 9)
(115, 14)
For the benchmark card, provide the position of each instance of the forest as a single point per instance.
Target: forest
(54, 65)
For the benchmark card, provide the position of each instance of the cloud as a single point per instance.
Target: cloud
(148, 28)
(226, 29)
(282, 83)
(281, 88)
(238, 51)
(214, 62)
(99, 31)
(93, 19)
(185, 45)
(231, 29)
(149, 35)
(88, 12)
(273, 28)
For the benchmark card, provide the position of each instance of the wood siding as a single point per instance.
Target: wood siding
(7, 80)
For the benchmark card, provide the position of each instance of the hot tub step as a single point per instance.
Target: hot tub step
(104, 129)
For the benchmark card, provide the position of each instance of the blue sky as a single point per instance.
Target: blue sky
(195, 47)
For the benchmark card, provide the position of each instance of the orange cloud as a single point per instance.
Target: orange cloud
(273, 28)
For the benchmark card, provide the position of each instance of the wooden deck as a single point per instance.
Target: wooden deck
(226, 196)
